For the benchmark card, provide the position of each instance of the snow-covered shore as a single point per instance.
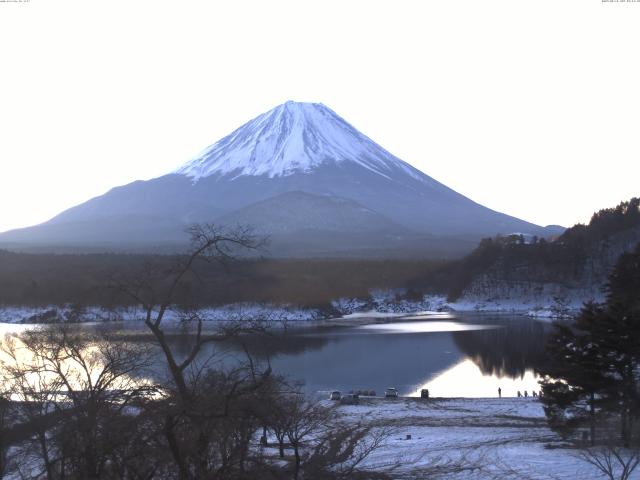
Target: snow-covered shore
(486, 438)
(379, 305)
(395, 302)
(234, 312)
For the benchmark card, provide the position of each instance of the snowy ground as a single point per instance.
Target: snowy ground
(489, 438)
(234, 312)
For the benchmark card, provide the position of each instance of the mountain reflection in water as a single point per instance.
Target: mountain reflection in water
(508, 351)
(408, 355)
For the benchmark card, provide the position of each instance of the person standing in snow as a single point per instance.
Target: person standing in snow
(499, 392)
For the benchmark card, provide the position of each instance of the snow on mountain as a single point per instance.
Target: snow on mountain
(293, 137)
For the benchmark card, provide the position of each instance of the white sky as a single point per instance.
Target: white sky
(528, 107)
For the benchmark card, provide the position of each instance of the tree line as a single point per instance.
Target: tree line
(83, 280)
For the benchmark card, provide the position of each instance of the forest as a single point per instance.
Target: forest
(55, 279)
(544, 260)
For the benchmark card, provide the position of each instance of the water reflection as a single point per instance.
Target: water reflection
(508, 351)
(466, 379)
(424, 327)
(452, 355)
(461, 355)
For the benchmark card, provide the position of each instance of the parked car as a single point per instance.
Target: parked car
(391, 393)
(365, 393)
(335, 395)
(350, 399)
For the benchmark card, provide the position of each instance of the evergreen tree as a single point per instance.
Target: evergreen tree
(574, 378)
(621, 330)
(594, 363)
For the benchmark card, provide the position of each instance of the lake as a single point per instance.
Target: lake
(452, 355)
(459, 355)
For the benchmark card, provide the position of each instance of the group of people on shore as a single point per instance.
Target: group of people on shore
(520, 395)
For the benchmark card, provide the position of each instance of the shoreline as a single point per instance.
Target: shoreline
(341, 312)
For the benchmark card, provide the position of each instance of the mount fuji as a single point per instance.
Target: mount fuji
(298, 173)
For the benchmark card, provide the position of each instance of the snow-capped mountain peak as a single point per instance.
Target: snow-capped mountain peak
(298, 173)
(292, 138)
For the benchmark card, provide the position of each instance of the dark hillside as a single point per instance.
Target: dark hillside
(580, 258)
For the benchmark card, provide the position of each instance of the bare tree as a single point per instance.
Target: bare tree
(158, 291)
(209, 415)
(35, 395)
(94, 416)
(277, 420)
(615, 462)
(340, 452)
(74, 388)
(304, 419)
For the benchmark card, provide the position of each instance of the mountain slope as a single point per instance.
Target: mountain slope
(293, 212)
(296, 147)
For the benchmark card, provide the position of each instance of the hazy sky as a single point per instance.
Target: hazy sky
(528, 107)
